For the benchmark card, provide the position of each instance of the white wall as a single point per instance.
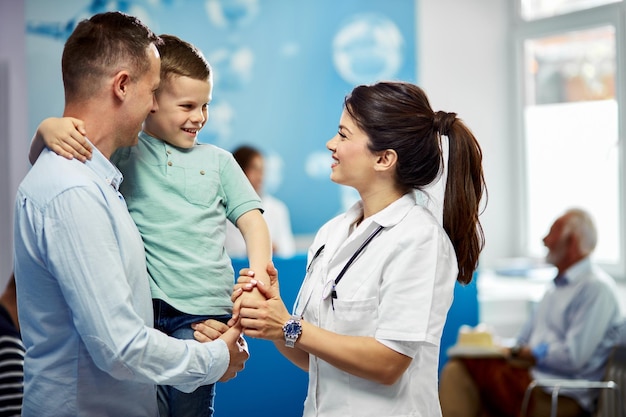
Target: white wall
(463, 65)
(13, 117)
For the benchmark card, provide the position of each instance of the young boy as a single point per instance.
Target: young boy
(180, 194)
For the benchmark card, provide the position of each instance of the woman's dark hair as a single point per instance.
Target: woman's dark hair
(244, 155)
(398, 116)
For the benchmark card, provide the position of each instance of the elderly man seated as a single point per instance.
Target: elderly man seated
(569, 336)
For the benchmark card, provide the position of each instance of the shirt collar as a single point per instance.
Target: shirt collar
(104, 168)
(387, 217)
(154, 141)
(560, 280)
(578, 270)
(145, 136)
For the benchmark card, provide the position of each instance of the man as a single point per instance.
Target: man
(569, 336)
(83, 291)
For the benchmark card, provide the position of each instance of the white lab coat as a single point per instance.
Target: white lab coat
(398, 290)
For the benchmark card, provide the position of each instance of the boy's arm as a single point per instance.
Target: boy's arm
(64, 136)
(258, 244)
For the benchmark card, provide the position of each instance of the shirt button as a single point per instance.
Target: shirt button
(169, 163)
(202, 172)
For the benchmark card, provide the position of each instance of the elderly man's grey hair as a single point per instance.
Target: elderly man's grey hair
(580, 224)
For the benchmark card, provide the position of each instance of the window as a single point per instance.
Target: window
(569, 116)
(536, 9)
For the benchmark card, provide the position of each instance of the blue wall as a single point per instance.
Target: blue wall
(464, 310)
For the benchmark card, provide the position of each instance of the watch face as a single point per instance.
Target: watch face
(292, 328)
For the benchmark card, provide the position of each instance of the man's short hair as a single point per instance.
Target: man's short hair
(101, 46)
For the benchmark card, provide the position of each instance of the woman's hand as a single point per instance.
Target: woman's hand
(246, 282)
(263, 319)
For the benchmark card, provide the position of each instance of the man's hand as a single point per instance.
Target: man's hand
(238, 350)
(208, 330)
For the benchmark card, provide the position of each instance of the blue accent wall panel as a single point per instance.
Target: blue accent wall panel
(281, 67)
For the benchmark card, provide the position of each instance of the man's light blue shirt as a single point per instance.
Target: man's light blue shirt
(84, 300)
(574, 328)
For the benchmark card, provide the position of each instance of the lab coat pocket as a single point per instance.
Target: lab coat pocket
(355, 317)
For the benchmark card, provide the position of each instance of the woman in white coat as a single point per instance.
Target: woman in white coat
(369, 317)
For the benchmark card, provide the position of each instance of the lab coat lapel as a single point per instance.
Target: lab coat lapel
(341, 245)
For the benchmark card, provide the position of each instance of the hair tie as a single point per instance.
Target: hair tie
(442, 122)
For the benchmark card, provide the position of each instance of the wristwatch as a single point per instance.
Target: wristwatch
(292, 329)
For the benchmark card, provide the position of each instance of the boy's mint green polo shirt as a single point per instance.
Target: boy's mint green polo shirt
(180, 200)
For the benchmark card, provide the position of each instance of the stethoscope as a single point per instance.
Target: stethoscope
(333, 291)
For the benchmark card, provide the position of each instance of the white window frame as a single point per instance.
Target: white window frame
(611, 14)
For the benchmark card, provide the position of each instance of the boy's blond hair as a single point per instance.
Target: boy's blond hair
(180, 58)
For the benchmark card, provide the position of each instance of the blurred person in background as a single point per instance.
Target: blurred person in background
(276, 213)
